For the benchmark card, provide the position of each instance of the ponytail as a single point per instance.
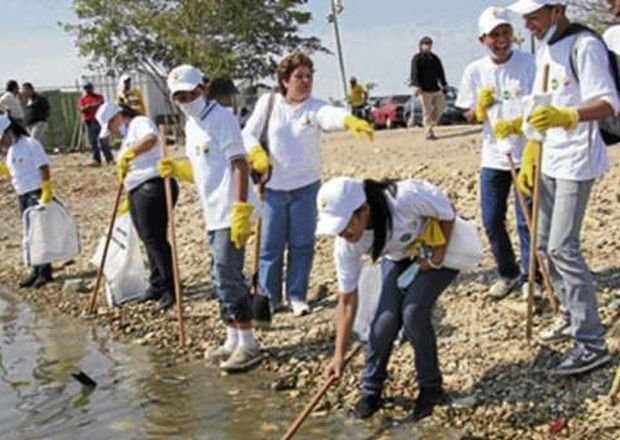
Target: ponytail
(380, 214)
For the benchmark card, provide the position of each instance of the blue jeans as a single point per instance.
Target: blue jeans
(494, 191)
(227, 277)
(289, 218)
(412, 310)
(26, 201)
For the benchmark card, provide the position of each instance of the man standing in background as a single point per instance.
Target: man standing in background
(129, 96)
(10, 102)
(37, 112)
(88, 104)
(357, 98)
(427, 81)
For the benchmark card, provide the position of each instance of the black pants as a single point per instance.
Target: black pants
(147, 206)
(96, 145)
(26, 201)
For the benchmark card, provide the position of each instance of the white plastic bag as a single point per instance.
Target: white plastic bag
(531, 103)
(368, 293)
(464, 251)
(126, 278)
(49, 234)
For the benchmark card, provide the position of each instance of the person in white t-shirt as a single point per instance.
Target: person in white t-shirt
(11, 103)
(573, 157)
(293, 143)
(491, 90)
(218, 167)
(389, 221)
(612, 35)
(29, 169)
(137, 168)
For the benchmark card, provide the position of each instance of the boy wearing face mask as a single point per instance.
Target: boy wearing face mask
(573, 156)
(498, 81)
(612, 35)
(219, 168)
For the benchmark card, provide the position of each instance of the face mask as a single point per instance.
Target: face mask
(551, 31)
(194, 108)
(122, 129)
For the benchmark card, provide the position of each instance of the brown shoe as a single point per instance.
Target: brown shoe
(94, 164)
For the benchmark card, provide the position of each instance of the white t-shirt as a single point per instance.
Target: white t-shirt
(212, 142)
(512, 81)
(144, 166)
(294, 138)
(11, 103)
(24, 159)
(414, 203)
(578, 154)
(612, 38)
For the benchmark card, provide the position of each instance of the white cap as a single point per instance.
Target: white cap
(5, 122)
(184, 78)
(490, 18)
(337, 200)
(105, 113)
(524, 7)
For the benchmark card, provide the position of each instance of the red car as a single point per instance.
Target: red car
(390, 111)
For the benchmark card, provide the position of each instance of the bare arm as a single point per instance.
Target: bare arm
(144, 144)
(240, 178)
(345, 315)
(596, 110)
(46, 174)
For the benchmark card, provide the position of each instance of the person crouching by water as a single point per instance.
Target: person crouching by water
(29, 169)
(389, 220)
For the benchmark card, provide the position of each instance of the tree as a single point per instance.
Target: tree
(595, 13)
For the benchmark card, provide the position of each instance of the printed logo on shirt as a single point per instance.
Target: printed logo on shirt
(557, 83)
(198, 150)
(322, 204)
(406, 237)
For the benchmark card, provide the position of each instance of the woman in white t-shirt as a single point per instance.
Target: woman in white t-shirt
(293, 140)
(29, 169)
(386, 220)
(137, 168)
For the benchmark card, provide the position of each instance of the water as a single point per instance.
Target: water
(139, 394)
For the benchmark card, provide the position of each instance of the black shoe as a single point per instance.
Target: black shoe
(367, 405)
(165, 303)
(426, 401)
(150, 295)
(29, 281)
(261, 311)
(41, 281)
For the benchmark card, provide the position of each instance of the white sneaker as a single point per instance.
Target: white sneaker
(503, 287)
(242, 358)
(558, 331)
(218, 354)
(525, 290)
(300, 308)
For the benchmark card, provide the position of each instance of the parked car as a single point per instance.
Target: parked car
(389, 111)
(452, 115)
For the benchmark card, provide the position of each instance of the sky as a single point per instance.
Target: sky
(379, 38)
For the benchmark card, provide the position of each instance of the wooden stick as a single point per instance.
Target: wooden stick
(93, 296)
(542, 264)
(294, 427)
(256, 249)
(615, 387)
(173, 242)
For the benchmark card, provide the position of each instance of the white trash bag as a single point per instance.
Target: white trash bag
(50, 234)
(464, 251)
(126, 277)
(368, 293)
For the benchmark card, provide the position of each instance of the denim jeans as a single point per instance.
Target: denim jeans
(26, 201)
(494, 191)
(562, 209)
(93, 128)
(227, 277)
(289, 219)
(412, 310)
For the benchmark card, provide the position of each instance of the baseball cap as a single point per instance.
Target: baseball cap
(184, 78)
(524, 7)
(87, 84)
(105, 113)
(337, 200)
(5, 122)
(490, 18)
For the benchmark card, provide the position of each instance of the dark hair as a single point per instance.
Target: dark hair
(12, 85)
(380, 214)
(288, 65)
(128, 112)
(28, 85)
(17, 129)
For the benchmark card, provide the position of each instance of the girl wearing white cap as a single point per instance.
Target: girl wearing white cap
(29, 169)
(296, 123)
(499, 81)
(218, 167)
(137, 168)
(389, 220)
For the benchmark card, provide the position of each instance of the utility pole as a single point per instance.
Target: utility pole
(336, 9)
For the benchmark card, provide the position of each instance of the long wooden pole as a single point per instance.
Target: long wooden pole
(534, 235)
(294, 427)
(173, 242)
(93, 296)
(542, 264)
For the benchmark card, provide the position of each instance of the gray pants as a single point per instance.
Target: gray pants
(411, 310)
(37, 130)
(562, 209)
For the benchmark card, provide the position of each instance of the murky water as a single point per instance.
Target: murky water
(139, 395)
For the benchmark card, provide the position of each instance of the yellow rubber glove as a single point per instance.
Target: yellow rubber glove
(259, 160)
(431, 236)
(525, 179)
(124, 206)
(46, 192)
(177, 169)
(4, 170)
(358, 127)
(546, 117)
(505, 128)
(486, 98)
(122, 164)
(240, 227)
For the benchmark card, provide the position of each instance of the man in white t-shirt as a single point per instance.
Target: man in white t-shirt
(10, 102)
(573, 156)
(491, 90)
(612, 35)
